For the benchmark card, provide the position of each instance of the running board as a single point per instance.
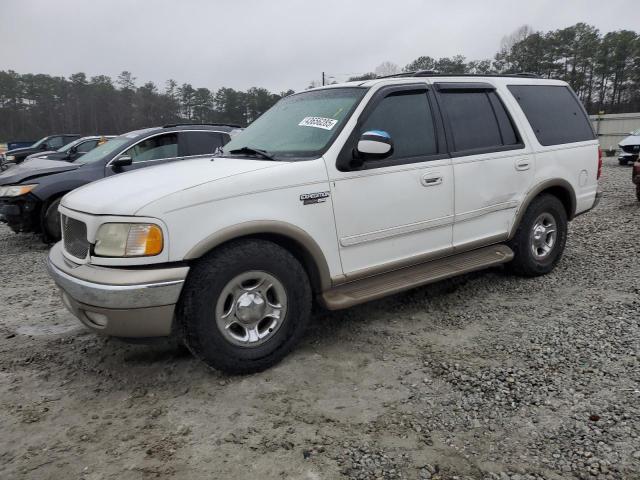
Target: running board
(372, 288)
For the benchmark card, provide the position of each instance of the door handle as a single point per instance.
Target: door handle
(429, 180)
(523, 164)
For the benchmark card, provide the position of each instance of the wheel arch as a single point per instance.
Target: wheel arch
(560, 188)
(290, 237)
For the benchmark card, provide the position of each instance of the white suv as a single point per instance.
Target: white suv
(341, 195)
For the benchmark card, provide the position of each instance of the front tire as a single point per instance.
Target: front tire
(622, 162)
(244, 306)
(539, 242)
(51, 229)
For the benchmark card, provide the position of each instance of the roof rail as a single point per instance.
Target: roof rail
(234, 125)
(433, 73)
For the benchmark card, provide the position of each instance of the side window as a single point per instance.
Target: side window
(56, 142)
(407, 117)
(554, 113)
(155, 148)
(478, 120)
(199, 143)
(87, 146)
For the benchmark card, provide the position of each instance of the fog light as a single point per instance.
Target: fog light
(97, 319)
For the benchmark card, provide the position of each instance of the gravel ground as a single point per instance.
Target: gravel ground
(484, 377)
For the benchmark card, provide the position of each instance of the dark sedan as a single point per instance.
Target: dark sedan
(51, 142)
(73, 150)
(31, 192)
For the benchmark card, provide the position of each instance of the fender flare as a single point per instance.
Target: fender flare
(569, 201)
(312, 251)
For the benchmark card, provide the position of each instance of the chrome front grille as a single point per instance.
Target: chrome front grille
(74, 235)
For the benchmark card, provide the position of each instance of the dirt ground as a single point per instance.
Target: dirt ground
(488, 376)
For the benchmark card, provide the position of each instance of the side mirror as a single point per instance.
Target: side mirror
(121, 161)
(375, 145)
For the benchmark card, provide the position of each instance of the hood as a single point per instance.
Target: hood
(19, 151)
(45, 154)
(34, 168)
(126, 193)
(630, 140)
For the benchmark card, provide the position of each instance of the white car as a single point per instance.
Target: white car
(629, 148)
(337, 195)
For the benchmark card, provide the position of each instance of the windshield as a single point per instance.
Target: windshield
(299, 126)
(69, 146)
(103, 150)
(39, 142)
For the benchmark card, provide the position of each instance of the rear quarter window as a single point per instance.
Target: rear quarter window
(554, 113)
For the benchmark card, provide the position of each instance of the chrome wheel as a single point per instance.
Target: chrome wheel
(251, 308)
(543, 236)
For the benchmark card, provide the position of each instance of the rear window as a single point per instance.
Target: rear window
(554, 113)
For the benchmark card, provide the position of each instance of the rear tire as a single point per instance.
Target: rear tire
(244, 306)
(638, 192)
(539, 242)
(51, 222)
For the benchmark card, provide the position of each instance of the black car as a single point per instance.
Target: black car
(30, 193)
(52, 142)
(73, 150)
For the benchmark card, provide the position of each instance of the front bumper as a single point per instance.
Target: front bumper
(121, 302)
(21, 213)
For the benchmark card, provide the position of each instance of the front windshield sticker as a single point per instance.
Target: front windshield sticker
(318, 122)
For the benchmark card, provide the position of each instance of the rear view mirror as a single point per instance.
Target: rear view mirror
(121, 161)
(375, 144)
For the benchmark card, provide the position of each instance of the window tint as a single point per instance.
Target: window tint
(554, 113)
(200, 143)
(155, 148)
(85, 147)
(407, 118)
(472, 119)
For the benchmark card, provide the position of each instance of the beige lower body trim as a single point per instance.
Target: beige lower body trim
(395, 231)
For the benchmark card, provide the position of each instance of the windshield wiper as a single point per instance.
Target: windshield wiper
(253, 151)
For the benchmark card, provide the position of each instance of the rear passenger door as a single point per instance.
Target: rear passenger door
(492, 167)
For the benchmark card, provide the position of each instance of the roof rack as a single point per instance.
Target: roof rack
(433, 73)
(234, 125)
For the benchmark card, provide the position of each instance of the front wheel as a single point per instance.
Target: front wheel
(541, 237)
(244, 306)
(51, 222)
(622, 162)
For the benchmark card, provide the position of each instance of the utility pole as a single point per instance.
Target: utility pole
(323, 79)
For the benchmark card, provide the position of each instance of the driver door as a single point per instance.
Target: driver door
(397, 210)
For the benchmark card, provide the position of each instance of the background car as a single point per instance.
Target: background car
(629, 148)
(31, 192)
(52, 142)
(73, 150)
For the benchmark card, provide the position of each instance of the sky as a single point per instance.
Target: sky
(275, 44)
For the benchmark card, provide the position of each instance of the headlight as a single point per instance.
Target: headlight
(11, 158)
(16, 190)
(128, 240)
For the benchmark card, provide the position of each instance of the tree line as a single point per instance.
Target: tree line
(603, 69)
(32, 106)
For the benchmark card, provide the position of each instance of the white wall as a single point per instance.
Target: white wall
(614, 127)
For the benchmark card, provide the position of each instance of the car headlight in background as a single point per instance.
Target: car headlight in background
(128, 240)
(10, 158)
(16, 190)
